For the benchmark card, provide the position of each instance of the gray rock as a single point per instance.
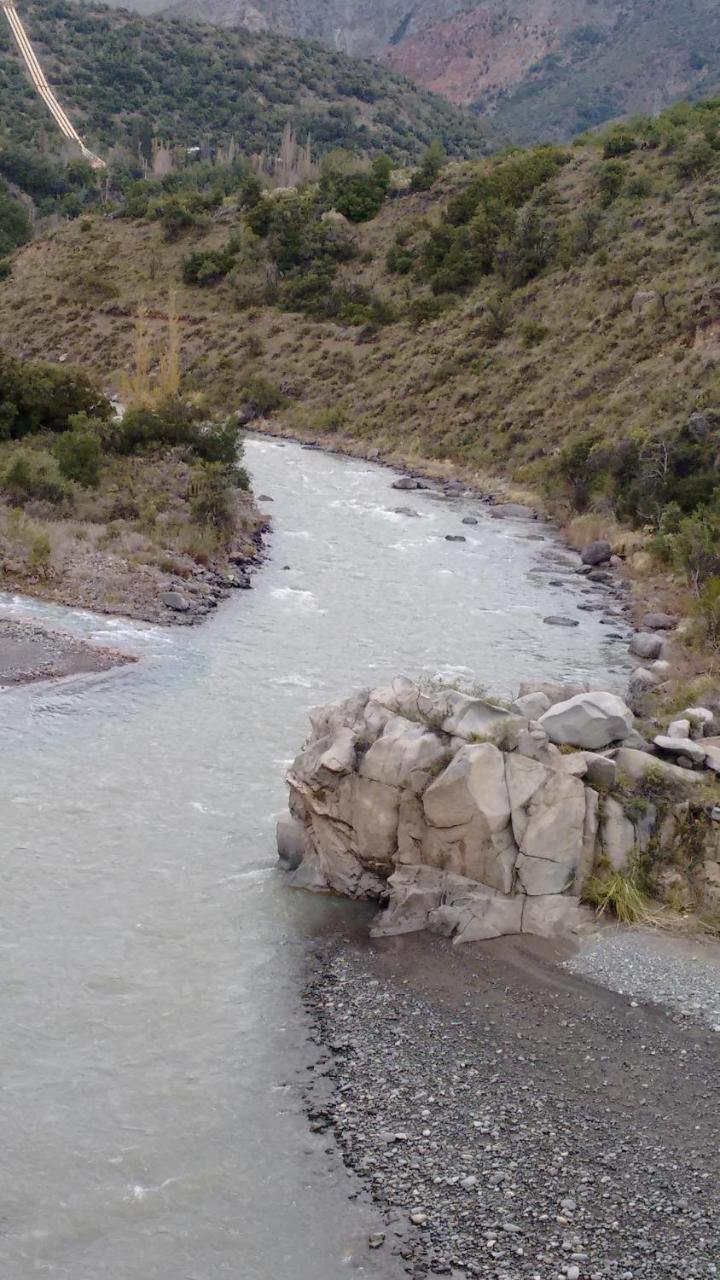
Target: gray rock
(642, 681)
(531, 705)
(292, 841)
(469, 520)
(635, 764)
(646, 645)
(617, 834)
(175, 600)
(553, 621)
(678, 729)
(404, 511)
(404, 482)
(683, 747)
(659, 622)
(503, 510)
(455, 537)
(601, 771)
(589, 720)
(598, 552)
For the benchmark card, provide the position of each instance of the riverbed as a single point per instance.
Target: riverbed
(154, 1040)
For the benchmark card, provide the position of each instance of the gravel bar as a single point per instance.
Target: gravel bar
(679, 974)
(512, 1119)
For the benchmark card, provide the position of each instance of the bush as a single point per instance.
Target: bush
(43, 397)
(33, 475)
(610, 180)
(430, 169)
(261, 397)
(207, 267)
(167, 425)
(619, 142)
(708, 608)
(79, 454)
(211, 497)
(40, 553)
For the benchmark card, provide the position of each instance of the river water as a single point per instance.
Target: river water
(153, 1043)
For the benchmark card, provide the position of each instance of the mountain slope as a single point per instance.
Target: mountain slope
(123, 78)
(520, 308)
(540, 68)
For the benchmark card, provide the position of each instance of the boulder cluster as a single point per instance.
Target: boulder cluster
(473, 819)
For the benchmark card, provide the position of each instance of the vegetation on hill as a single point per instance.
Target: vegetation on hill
(551, 315)
(127, 80)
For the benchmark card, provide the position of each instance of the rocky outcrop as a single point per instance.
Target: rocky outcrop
(460, 815)
(471, 820)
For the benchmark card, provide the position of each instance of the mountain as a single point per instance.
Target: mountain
(124, 79)
(539, 69)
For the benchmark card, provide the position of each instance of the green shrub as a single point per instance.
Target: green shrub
(32, 474)
(428, 307)
(43, 397)
(208, 266)
(708, 609)
(610, 180)
(79, 454)
(40, 553)
(211, 497)
(620, 141)
(261, 397)
(430, 168)
(168, 425)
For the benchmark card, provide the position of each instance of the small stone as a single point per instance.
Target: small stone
(573, 1272)
(376, 1240)
(552, 621)
(469, 520)
(418, 1217)
(455, 537)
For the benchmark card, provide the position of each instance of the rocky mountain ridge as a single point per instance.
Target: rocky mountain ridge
(539, 69)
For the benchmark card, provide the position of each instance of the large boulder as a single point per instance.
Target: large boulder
(598, 552)
(589, 721)
(647, 644)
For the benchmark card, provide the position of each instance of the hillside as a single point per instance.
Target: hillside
(125, 79)
(517, 310)
(540, 69)
(551, 317)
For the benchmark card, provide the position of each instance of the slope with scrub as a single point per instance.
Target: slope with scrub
(552, 316)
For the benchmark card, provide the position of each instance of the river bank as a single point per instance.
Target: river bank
(512, 1119)
(29, 653)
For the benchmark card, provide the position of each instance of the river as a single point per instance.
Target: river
(153, 1040)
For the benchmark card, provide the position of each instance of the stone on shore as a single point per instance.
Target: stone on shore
(589, 720)
(645, 644)
(598, 552)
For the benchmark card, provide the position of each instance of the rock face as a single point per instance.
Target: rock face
(467, 819)
(459, 815)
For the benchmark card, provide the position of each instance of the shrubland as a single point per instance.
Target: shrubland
(549, 315)
(97, 508)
